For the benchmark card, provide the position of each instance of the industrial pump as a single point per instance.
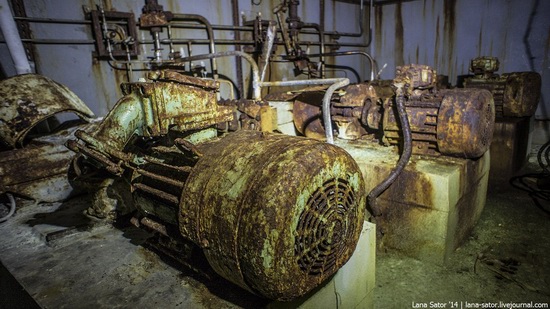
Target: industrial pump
(276, 215)
(516, 94)
(453, 122)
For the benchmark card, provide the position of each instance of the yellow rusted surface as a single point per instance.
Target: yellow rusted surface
(26, 100)
(276, 215)
(466, 122)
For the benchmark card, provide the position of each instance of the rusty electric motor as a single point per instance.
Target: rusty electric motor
(516, 94)
(276, 215)
(454, 122)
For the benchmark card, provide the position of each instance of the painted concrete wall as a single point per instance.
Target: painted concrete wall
(96, 82)
(447, 34)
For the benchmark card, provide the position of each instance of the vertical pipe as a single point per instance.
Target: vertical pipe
(267, 48)
(322, 34)
(256, 85)
(13, 40)
(210, 33)
(405, 155)
(326, 108)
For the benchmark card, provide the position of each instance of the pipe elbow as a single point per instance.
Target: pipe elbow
(124, 120)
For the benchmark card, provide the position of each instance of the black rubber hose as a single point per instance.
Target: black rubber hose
(543, 165)
(12, 208)
(403, 160)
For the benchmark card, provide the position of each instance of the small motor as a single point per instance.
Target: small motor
(454, 122)
(515, 94)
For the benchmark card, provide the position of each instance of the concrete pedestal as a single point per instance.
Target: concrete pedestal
(432, 206)
(510, 147)
(351, 287)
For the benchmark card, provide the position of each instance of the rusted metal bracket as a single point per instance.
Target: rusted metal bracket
(120, 26)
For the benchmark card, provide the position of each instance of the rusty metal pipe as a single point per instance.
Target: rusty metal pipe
(267, 48)
(210, 32)
(321, 32)
(405, 156)
(326, 108)
(127, 114)
(349, 53)
(335, 84)
(58, 20)
(250, 28)
(180, 41)
(175, 24)
(255, 70)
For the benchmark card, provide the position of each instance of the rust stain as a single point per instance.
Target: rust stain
(424, 10)
(413, 188)
(436, 47)
(470, 178)
(120, 78)
(480, 41)
(398, 48)
(378, 35)
(28, 99)
(404, 207)
(449, 29)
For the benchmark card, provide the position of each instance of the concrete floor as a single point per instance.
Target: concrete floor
(507, 258)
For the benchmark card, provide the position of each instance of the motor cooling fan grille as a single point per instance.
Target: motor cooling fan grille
(325, 225)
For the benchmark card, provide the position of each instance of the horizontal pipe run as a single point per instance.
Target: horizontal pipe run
(301, 82)
(349, 53)
(255, 70)
(251, 42)
(184, 41)
(335, 84)
(173, 24)
(209, 32)
(10, 33)
(58, 20)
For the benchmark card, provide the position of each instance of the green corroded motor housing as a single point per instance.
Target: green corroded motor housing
(274, 214)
